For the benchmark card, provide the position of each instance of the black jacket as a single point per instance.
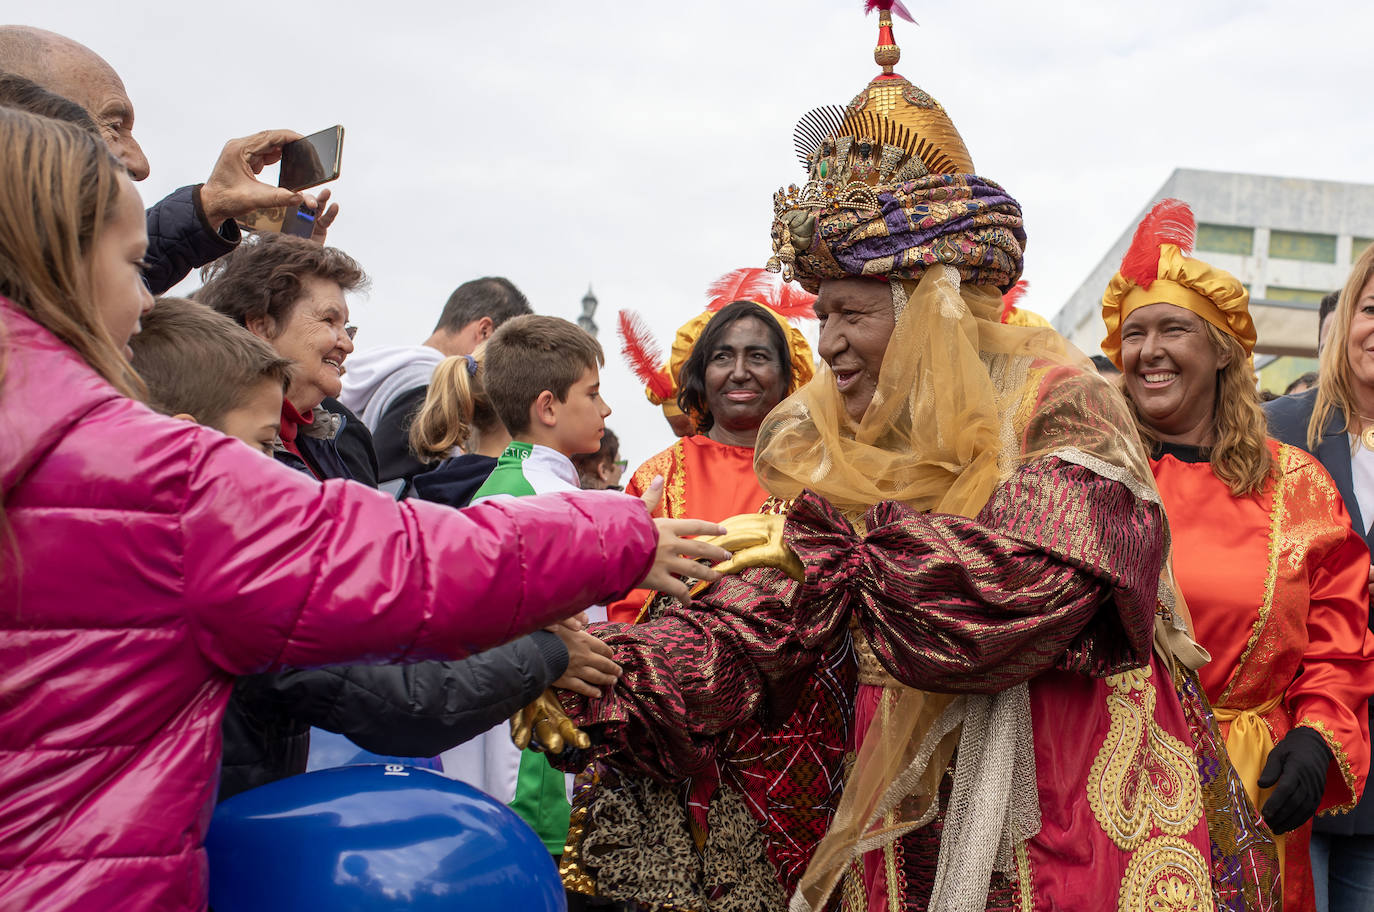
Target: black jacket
(456, 481)
(414, 710)
(1288, 418)
(392, 437)
(401, 710)
(180, 239)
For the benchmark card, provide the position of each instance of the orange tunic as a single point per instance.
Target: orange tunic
(702, 479)
(1277, 586)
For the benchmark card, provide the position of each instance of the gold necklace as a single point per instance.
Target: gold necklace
(1367, 435)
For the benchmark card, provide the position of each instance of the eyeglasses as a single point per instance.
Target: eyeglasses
(350, 330)
(621, 464)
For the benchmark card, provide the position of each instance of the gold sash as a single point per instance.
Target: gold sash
(1249, 744)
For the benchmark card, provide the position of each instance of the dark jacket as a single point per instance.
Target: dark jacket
(399, 710)
(1288, 418)
(392, 437)
(415, 710)
(352, 446)
(180, 239)
(456, 481)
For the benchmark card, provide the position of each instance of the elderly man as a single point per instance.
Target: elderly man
(195, 224)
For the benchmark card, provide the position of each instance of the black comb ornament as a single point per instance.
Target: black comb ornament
(815, 127)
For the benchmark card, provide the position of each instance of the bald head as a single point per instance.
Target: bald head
(74, 71)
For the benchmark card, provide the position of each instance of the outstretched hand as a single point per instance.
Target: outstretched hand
(233, 190)
(591, 663)
(677, 554)
(756, 540)
(545, 727)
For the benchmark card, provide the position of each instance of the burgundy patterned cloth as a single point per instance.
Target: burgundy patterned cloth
(1059, 571)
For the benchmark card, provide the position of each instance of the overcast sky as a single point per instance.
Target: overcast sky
(636, 146)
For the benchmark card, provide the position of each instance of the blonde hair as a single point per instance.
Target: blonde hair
(58, 187)
(1336, 389)
(455, 411)
(1239, 453)
(58, 190)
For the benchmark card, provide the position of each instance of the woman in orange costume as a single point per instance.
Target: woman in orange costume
(1263, 549)
(729, 367)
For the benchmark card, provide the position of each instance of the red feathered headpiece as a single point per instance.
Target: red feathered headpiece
(786, 299)
(1171, 221)
(643, 355)
(894, 6)
(1013, 297)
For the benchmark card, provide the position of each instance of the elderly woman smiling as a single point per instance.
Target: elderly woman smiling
(1263, 549)
(290, 292)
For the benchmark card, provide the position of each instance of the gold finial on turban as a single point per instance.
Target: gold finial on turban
(886, 54)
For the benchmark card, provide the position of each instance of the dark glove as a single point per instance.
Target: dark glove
(1296, 768)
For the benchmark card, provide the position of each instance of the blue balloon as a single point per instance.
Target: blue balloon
(376, 838)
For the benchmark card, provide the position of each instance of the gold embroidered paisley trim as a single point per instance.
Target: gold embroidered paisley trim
(1025, 879)
(1142, 778)
(853, 896)
(1278, 514)
(676, 494)
(1337, 751)
(1167, 875)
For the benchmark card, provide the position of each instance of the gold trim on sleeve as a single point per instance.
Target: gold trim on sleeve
(1342, 761)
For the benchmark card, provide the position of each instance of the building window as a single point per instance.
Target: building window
(1358, 246)
(1301, 295)
(1226, 239)
(1299, 245)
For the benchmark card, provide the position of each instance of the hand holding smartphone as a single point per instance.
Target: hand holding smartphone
(313, 160)
(305, 163)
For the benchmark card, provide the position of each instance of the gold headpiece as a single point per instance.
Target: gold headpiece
(891, 134)
(1156, 269)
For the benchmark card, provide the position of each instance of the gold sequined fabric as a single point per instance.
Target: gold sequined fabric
(642, 849)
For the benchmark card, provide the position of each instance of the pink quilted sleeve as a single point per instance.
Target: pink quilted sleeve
(281, 570)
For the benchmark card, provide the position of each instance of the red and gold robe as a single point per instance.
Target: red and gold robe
(1056, 583)
(1277, 586)
(702, 479)
(947, 604)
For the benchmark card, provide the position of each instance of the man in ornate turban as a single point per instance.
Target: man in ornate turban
(963, 663)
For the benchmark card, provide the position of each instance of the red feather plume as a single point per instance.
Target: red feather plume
(1012, 298)
(642, 354)
(740, 285)
(795, 303)
(895, 6)
(1171, 221)
(786, 299)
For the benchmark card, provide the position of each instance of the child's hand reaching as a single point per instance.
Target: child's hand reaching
(589, 663)
(677, 555)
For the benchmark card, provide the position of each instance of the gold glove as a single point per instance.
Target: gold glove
(544, 726)
(756, 541)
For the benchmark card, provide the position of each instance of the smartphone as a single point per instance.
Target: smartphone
(312, 161)
(297, 220)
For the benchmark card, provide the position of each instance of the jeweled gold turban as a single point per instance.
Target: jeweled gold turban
(891, 192)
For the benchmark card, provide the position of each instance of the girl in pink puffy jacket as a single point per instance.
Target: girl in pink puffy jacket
(145, 561)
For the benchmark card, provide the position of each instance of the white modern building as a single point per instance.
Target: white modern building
(1289, 240)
